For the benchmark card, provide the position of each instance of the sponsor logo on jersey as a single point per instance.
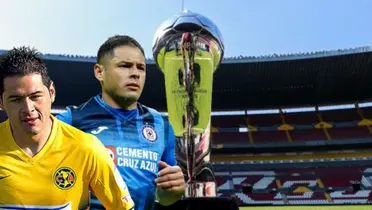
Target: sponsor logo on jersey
(112, 153)
(64, 178)
(149, 133)
(99, 130)
(127, 198)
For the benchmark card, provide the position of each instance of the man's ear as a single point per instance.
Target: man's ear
(52, 92)
(99, 72)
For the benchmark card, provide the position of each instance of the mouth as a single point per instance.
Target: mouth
(133, 86)
(30, 120)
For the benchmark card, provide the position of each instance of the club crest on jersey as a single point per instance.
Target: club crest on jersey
(149, 133)
(64, 178)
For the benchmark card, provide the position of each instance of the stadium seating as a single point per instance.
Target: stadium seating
(298, 186)
(294, 127)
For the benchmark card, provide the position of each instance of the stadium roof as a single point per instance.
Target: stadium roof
(303, 79)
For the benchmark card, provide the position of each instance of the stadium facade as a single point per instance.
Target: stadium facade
(286, 129)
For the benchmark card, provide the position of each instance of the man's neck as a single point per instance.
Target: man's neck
(114, 104)
(32, 144)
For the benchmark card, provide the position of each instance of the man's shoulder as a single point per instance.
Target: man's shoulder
(85, 143)
(88, 105)
(80, 115)
(76, 136)
(151, 111)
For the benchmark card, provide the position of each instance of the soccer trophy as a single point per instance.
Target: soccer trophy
(188, 48)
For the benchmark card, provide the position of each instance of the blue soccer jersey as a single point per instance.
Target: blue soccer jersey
(136, 141)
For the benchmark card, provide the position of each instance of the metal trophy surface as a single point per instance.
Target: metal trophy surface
(188, 48)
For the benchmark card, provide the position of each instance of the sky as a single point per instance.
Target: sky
(249, 27)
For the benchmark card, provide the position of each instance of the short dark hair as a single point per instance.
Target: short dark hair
(23, 61)
(107, 48)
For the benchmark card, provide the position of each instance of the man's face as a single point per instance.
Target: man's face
(124, 74)
(27, 102)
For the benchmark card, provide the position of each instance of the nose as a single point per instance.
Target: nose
(135, 72)
(28, 106)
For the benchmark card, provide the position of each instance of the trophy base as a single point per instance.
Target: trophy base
(201, 204)
(200, 189)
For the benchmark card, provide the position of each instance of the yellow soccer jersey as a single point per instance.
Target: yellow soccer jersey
(60, 176)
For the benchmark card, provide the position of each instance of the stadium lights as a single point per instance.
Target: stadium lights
(336, 107)
(367, 104)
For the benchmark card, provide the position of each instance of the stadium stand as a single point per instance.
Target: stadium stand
(298, 186)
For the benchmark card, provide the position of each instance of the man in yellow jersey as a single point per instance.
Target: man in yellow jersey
(45, 163)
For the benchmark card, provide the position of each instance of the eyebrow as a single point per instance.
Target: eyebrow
(126, 61)
(18, 96)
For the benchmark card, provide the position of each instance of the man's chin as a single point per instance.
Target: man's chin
(32, 130)
(129, 98)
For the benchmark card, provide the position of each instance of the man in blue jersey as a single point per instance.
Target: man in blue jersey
(140, 140)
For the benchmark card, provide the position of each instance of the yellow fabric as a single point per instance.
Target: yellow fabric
(60, 176)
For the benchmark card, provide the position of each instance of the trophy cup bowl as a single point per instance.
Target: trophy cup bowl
(188, 48)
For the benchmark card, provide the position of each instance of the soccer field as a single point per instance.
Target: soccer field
(344, 207)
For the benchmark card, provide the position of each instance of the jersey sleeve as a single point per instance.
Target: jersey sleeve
(169, 155)
(106, 182)
(65, 116)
